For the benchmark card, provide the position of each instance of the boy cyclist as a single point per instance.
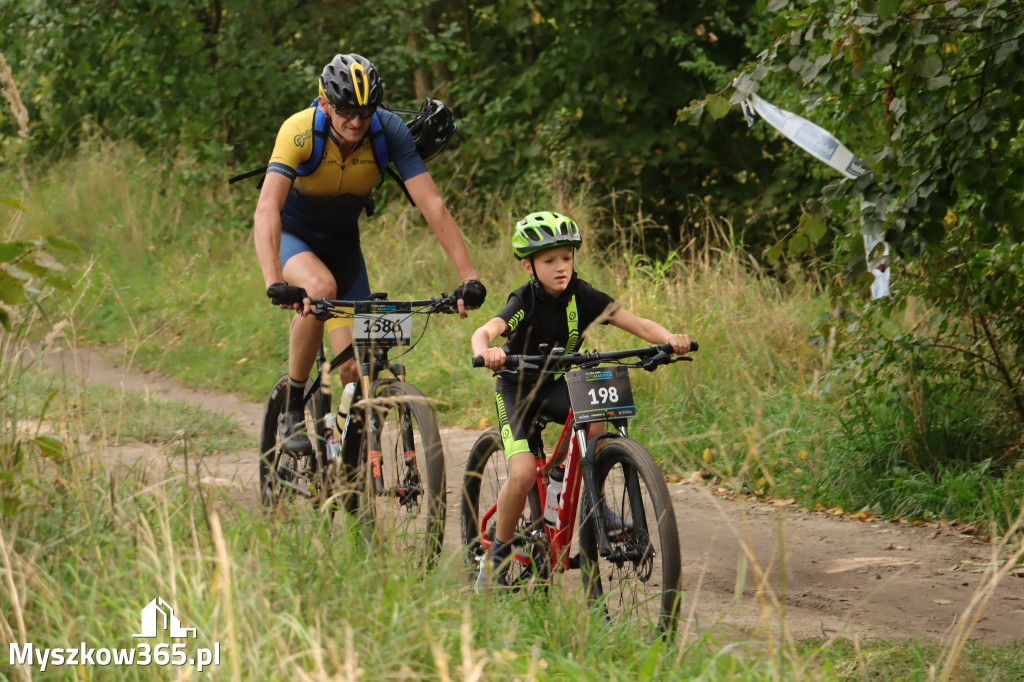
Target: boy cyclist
(555, 307)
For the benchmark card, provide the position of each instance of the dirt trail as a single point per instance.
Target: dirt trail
(834, 576)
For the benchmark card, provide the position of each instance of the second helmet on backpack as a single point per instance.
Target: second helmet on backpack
(351, 80)
(432, 129)
(543, 230)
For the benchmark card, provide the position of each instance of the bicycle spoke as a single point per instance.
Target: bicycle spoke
(407, 499)
(284, 474)
(632, 569)
(486, 473)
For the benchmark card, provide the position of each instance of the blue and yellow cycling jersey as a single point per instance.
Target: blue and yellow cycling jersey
(326, 201)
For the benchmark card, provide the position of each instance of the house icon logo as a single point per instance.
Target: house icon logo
(159, 615)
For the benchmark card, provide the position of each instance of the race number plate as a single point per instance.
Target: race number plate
(600, 393)
(382, 324)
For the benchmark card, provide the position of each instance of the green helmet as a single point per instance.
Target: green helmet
(543, 230)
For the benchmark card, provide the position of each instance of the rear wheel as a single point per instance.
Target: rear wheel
(404, 487)
(285, 474)
(486, 473)
(631, 564)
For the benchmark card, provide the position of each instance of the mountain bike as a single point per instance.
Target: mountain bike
(629, 545)
(381, 458)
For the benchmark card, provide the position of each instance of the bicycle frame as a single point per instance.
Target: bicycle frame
(372, 361)
(578, 479)
(573, 447)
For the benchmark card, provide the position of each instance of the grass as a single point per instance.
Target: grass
(293, 596)
(168, 278)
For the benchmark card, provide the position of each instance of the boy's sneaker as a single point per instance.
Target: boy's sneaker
(291, 431)
(493, 573)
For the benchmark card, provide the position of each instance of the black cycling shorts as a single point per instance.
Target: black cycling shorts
(519, 408)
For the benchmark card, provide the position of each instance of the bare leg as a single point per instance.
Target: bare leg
(522, 472)
(341, 338)
(306, 333)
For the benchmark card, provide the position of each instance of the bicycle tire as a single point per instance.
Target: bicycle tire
(408, 512)
(486, 472)
(636, 574)
(302, 470)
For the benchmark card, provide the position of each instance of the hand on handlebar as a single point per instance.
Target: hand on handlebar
(494, 358)
(680, 343)
(288, 297)
(470, 295)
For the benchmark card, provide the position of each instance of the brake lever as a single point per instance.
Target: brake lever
(655, 361)
(445, 305)
(510, 373)
(321, 311)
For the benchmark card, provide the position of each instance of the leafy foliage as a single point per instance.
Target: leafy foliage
(603, 81)
(930, 94)
(577, 95)
(24, 266)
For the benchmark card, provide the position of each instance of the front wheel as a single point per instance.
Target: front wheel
(284, 474)
(486, 473)
(404, 483)
(631, 564)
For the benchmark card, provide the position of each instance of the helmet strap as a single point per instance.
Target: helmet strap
(533, 269)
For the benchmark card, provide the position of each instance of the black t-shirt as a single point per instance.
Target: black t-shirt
(535, 317)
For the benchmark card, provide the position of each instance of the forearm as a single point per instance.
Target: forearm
(652, 332)
(267, 239)
(267, 226)
(485, 335)
(480, 341)
(648, 330)
(451, 240)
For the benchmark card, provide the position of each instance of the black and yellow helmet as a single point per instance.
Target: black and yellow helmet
(543, 230)
(351, 80)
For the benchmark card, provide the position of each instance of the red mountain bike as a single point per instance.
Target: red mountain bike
(629, 545)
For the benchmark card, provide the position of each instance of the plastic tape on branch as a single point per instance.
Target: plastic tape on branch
(824, 146)
(810, 137)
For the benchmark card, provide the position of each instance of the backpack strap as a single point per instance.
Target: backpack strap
(319, 126)
(262, 170)
(379, 144)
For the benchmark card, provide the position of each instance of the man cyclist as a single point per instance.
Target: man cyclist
(306, 225)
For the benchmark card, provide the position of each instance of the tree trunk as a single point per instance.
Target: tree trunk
(421, 79)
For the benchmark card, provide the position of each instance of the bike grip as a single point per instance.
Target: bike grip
(478, 361)
(694, 346)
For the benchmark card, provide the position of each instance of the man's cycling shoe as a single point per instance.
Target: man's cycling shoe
(615, 525)
(291, 432)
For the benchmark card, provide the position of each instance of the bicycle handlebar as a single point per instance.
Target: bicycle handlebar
(326, 308)
(650, 357)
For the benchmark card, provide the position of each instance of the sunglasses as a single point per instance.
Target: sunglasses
(349, 113)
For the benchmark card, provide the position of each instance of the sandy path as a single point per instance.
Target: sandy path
(833, 576)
